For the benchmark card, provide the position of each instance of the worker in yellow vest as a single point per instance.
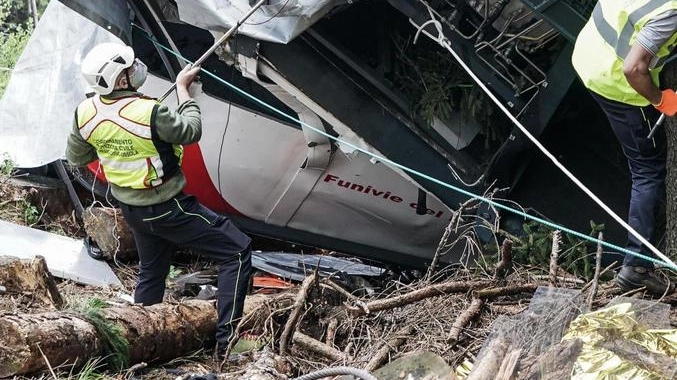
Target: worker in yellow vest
(139, 144)
(619, 55)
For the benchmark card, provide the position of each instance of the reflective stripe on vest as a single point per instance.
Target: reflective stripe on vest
(606, 40)
(621, 41)
(122, 134)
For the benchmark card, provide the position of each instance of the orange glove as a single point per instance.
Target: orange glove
(668, 104)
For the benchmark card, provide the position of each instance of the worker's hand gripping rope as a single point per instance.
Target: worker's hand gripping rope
(668, 104)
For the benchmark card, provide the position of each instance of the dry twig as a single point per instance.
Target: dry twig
(595, 278)
(505, 290)
(505, 264)
(554, 255)
(318, 347)
(416, 295)
(300, 300)
(382, 354)
(464, 319)
(327, 282)
(331, 331)
(601, 273)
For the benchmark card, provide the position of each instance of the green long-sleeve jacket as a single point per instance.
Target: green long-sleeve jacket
(183, 126)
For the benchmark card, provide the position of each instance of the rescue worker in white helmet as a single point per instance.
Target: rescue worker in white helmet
(138, 142)
(619, 55)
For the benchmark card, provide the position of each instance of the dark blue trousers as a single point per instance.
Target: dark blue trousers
(183, 221)
(646, 160)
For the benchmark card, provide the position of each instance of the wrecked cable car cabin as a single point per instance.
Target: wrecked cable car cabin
(301, 103)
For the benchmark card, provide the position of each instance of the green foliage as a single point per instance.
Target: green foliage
(90, 371)
(6, 166)
(174, 272)
(575, 254)
(31, 213)
(16, 25)
(439, 87)
(116, 345)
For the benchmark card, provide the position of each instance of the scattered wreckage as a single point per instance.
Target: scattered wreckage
(314, 109)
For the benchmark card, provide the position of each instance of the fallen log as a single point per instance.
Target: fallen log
(415, 296)
(110, 231)
(154, 333)
(31, 278)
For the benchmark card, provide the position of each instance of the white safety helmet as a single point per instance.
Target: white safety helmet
(104, 63)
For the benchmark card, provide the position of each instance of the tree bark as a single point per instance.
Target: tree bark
(111, 233)
(155, 333)
(29, 277)
(416, 295)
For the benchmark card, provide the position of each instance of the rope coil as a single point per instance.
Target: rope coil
(337, 371)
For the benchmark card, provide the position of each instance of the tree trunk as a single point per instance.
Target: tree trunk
(29, 277)
(155, 333)
(669, 80)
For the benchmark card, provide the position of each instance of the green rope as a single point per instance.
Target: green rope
(415, 172)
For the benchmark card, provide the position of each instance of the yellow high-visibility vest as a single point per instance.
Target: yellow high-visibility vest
(605, 41)
(131, 154)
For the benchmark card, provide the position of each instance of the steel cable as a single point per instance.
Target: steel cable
(666, 263)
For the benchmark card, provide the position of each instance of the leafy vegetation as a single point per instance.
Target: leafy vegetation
(6, 167)
(116, 345)
(439, 87)
(16, 25)
(575, 254)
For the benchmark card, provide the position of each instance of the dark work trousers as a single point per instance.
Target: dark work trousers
(646, 160)
(183, 221)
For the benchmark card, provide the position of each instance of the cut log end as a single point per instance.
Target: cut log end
(30, 277)
(110, 231)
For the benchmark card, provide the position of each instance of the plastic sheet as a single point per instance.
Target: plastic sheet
(617, 346)
(279, 21)
(556, 338)
(46, 85)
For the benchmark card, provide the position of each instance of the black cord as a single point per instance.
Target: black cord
(272, 17)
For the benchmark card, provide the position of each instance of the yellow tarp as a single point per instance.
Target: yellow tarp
(616, 347)
(611, 330)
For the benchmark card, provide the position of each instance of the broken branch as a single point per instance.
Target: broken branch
(382, 354)
(554, 255)
(595, 278)
(416, 295)
(296, 312)
(464, 319)
(506, 290)
(505, 264)
(318, 347)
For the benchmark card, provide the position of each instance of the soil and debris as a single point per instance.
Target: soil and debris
(294, 327)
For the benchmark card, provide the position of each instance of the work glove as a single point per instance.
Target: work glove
(668, 104)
